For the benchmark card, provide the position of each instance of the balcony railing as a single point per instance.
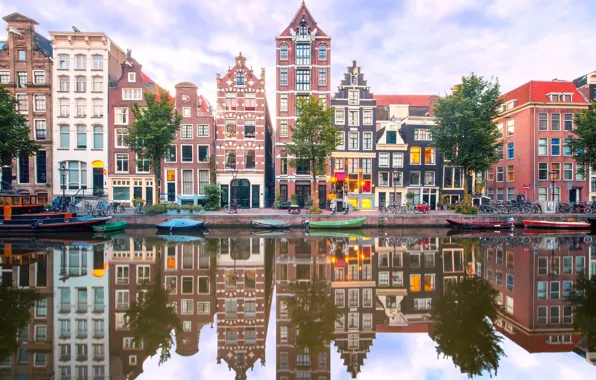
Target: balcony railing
(64, 334)
(82, 334)
(65, 358)
(98, 308)
(64, 308)
(98, 357)
(98, 334)
(82, 308)
(82, 357)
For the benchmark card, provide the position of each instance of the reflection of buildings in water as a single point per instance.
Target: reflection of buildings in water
(131, 263)
(189, 274)
(533, 281)
(81, 317)
(243, 290)
(26, 265)
(386, 285)
(298, 260)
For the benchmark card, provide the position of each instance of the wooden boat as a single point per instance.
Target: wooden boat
(482, 225)
(335, 224)
(565, 225)
(270, 224)
(110, 227)
(180, 224)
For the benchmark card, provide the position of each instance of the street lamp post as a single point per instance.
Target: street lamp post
(553, 176)
(63, 172)
(395, 174)
(235, 187)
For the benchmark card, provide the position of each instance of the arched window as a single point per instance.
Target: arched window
(283, 51)
(322, 52)
(240, 78)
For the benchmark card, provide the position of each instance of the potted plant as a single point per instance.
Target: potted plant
(197, 210)
(185, 209)
(294, 199)
(409, 196)
(138, 202)
(172, 208)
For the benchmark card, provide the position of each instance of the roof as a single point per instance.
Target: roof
(147, 79)
(537, 91)
(185, 85)
(411, 100)
(18, 17)
(310, 20)
(44, 44)
(204, 104)
(2, 44)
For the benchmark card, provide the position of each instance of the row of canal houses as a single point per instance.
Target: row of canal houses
(381, 285)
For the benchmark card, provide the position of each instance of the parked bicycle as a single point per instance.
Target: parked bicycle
(140, 209)
(234, 208)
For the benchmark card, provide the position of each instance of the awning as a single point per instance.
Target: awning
(341, 176)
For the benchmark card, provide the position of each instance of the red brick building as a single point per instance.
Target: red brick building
(244, 136)
(26, 71)
(535, 121)
(186, 165)
(303, 61)
(130, 176)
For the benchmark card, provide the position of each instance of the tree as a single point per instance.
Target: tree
(17, 304)
(153, 131)
(463, 326)
(153, 321)
(313, 138)
(583, 301)
(15, 134)
(582, 140)
(466, 132)
(314, 313)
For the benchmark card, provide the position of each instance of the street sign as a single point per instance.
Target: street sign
(526, 187)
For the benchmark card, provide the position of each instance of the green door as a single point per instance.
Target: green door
(241, 187)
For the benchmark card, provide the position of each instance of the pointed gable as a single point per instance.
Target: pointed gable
(354, 78)
(16, 17)
(303, 14)
(238, 71)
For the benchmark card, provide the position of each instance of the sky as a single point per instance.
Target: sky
(402, 46)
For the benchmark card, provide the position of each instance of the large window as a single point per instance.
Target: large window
(510, 173)
(322, 76)
(353, 97)
(367, 140)
(239, 78)
(97, 62)
(81, 137)
(302, 80)
(555, 146)
(202, 130)
(76, 177)
(415, 155)
(40, 103)
(97, 107)
(81, 107)
(542, 121)
(303, 54)
(64, 137)
(230, 162)
(97, 84)
(21, 79)
(414, 178)
(543, 146)
(568, 121)
(283, 102)
(383, 160)
(250, 129)
(203, 153)
(568, 171)
(555, 121)
(250, 159)
(203, 180)
(39, 77)
(23, 169)
(81, 62)
(121, 136)
(186, 152)
(142, 164)
(186, 131)
(322, 52)
(187, 182)
(132, 94)
(22, 103)
(80, 84)
(170, 154)
(353, 140)
(453, 178)
(430, 156)
(40, 130)
(353, 118)
(283, 52)
(283, 76)
(122, 163)
(97, 137)
(63, 83)
(40, 166)
(510, 150)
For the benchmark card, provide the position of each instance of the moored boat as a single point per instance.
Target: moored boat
(180, 224)
(270, 224)
(592, 224)
(110, 227)
(483, 224)
(564, 225)
(336, 224)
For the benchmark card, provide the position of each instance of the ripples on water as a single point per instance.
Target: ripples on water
(234, 289)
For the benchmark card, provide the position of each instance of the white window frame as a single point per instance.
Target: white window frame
(181, 157)
(132, 94)
(340, 117)
(117, 134)
(353, 100)
(353, 122)
(117, 158)
(189, 136)
(351, 133)
(132, 77)
(185, 111)
(202, 127)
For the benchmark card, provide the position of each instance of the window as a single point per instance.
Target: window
(367, 166)
(339, 117)
(542, 292)
(568, 118)
(239, 78)
(80, 84)
(303, 54)
(429, 178)
(203, 153)
(510, 150)
(568, 171)
(510, 173)
(556, 171)
(510, 127)
(186, 112)
(64, 137)
(415, 155)
(186, 131)
(367, 117)
(283, 52)
(384, 160)
(81, 108)
(510, 282)
(398, 160)
(322, 52)
(283, 102)
(500, 174)
(340, 297)
(40, 130)
(40, 77)
(97, 137)
(302, 80)
(81, 137)
(250, 159)
(555, 146)
(202, 130)
(132, 77)
(230, 162)
(429, 282)
(121, 116)
(186, 153)
(22, 103)
(422, 134)
(542, 310)
(566, 148)
(187, 307)
(4, 77)
(429, 156)
(40, 359)
(353, 97)
(132, 94)
(121, 136)
(579, 265)
(542, 121)
(21, 79)
(353, 320)
(40, 103)
(283, 76)
(250, 129)
(97, 108)
(555, 122)
(567, 314)
(543, 171)
(555, 315)
(81, 62)
(414, 178)
(367, 140)
(283, 128)
(122, 163)
(322, 76)
(97, 84)
(353, 140)
(353, 297)
(555, 289)
(187, 182)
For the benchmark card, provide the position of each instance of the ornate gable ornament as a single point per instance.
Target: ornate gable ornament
(18, 17)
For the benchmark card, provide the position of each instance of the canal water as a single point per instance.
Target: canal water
(236, 304)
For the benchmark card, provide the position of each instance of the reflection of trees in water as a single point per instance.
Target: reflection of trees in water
(313, 312)
(15, 314)
(464, 329)
(153, 322)
(583, 300)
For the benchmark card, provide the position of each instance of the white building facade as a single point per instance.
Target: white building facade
(85, 64)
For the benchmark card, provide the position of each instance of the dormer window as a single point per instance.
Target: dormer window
(132, 77)
(240, 79)
(322, 52)
(303, 30)
(566, 98)
(283, 52)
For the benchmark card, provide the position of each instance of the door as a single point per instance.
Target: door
(573, 196)
(149, 195)
(225, 193)
(303, 194)
(322, 196)
(382, 199)
(241, 190)
(256, 193)
(171, 191)
(97, 181)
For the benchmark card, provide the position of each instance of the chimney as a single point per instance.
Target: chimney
(128, 53)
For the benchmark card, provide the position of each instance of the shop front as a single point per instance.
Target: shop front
(356, 187)
(125, 189)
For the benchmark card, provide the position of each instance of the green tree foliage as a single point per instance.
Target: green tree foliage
(153, 321)
(463, 326)
(153, 131)
(583, 300)
(15, 134)
(466, 132)
(314, 313)
(582, 141)
(313, 138)
(16, 307)
(213, 197)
